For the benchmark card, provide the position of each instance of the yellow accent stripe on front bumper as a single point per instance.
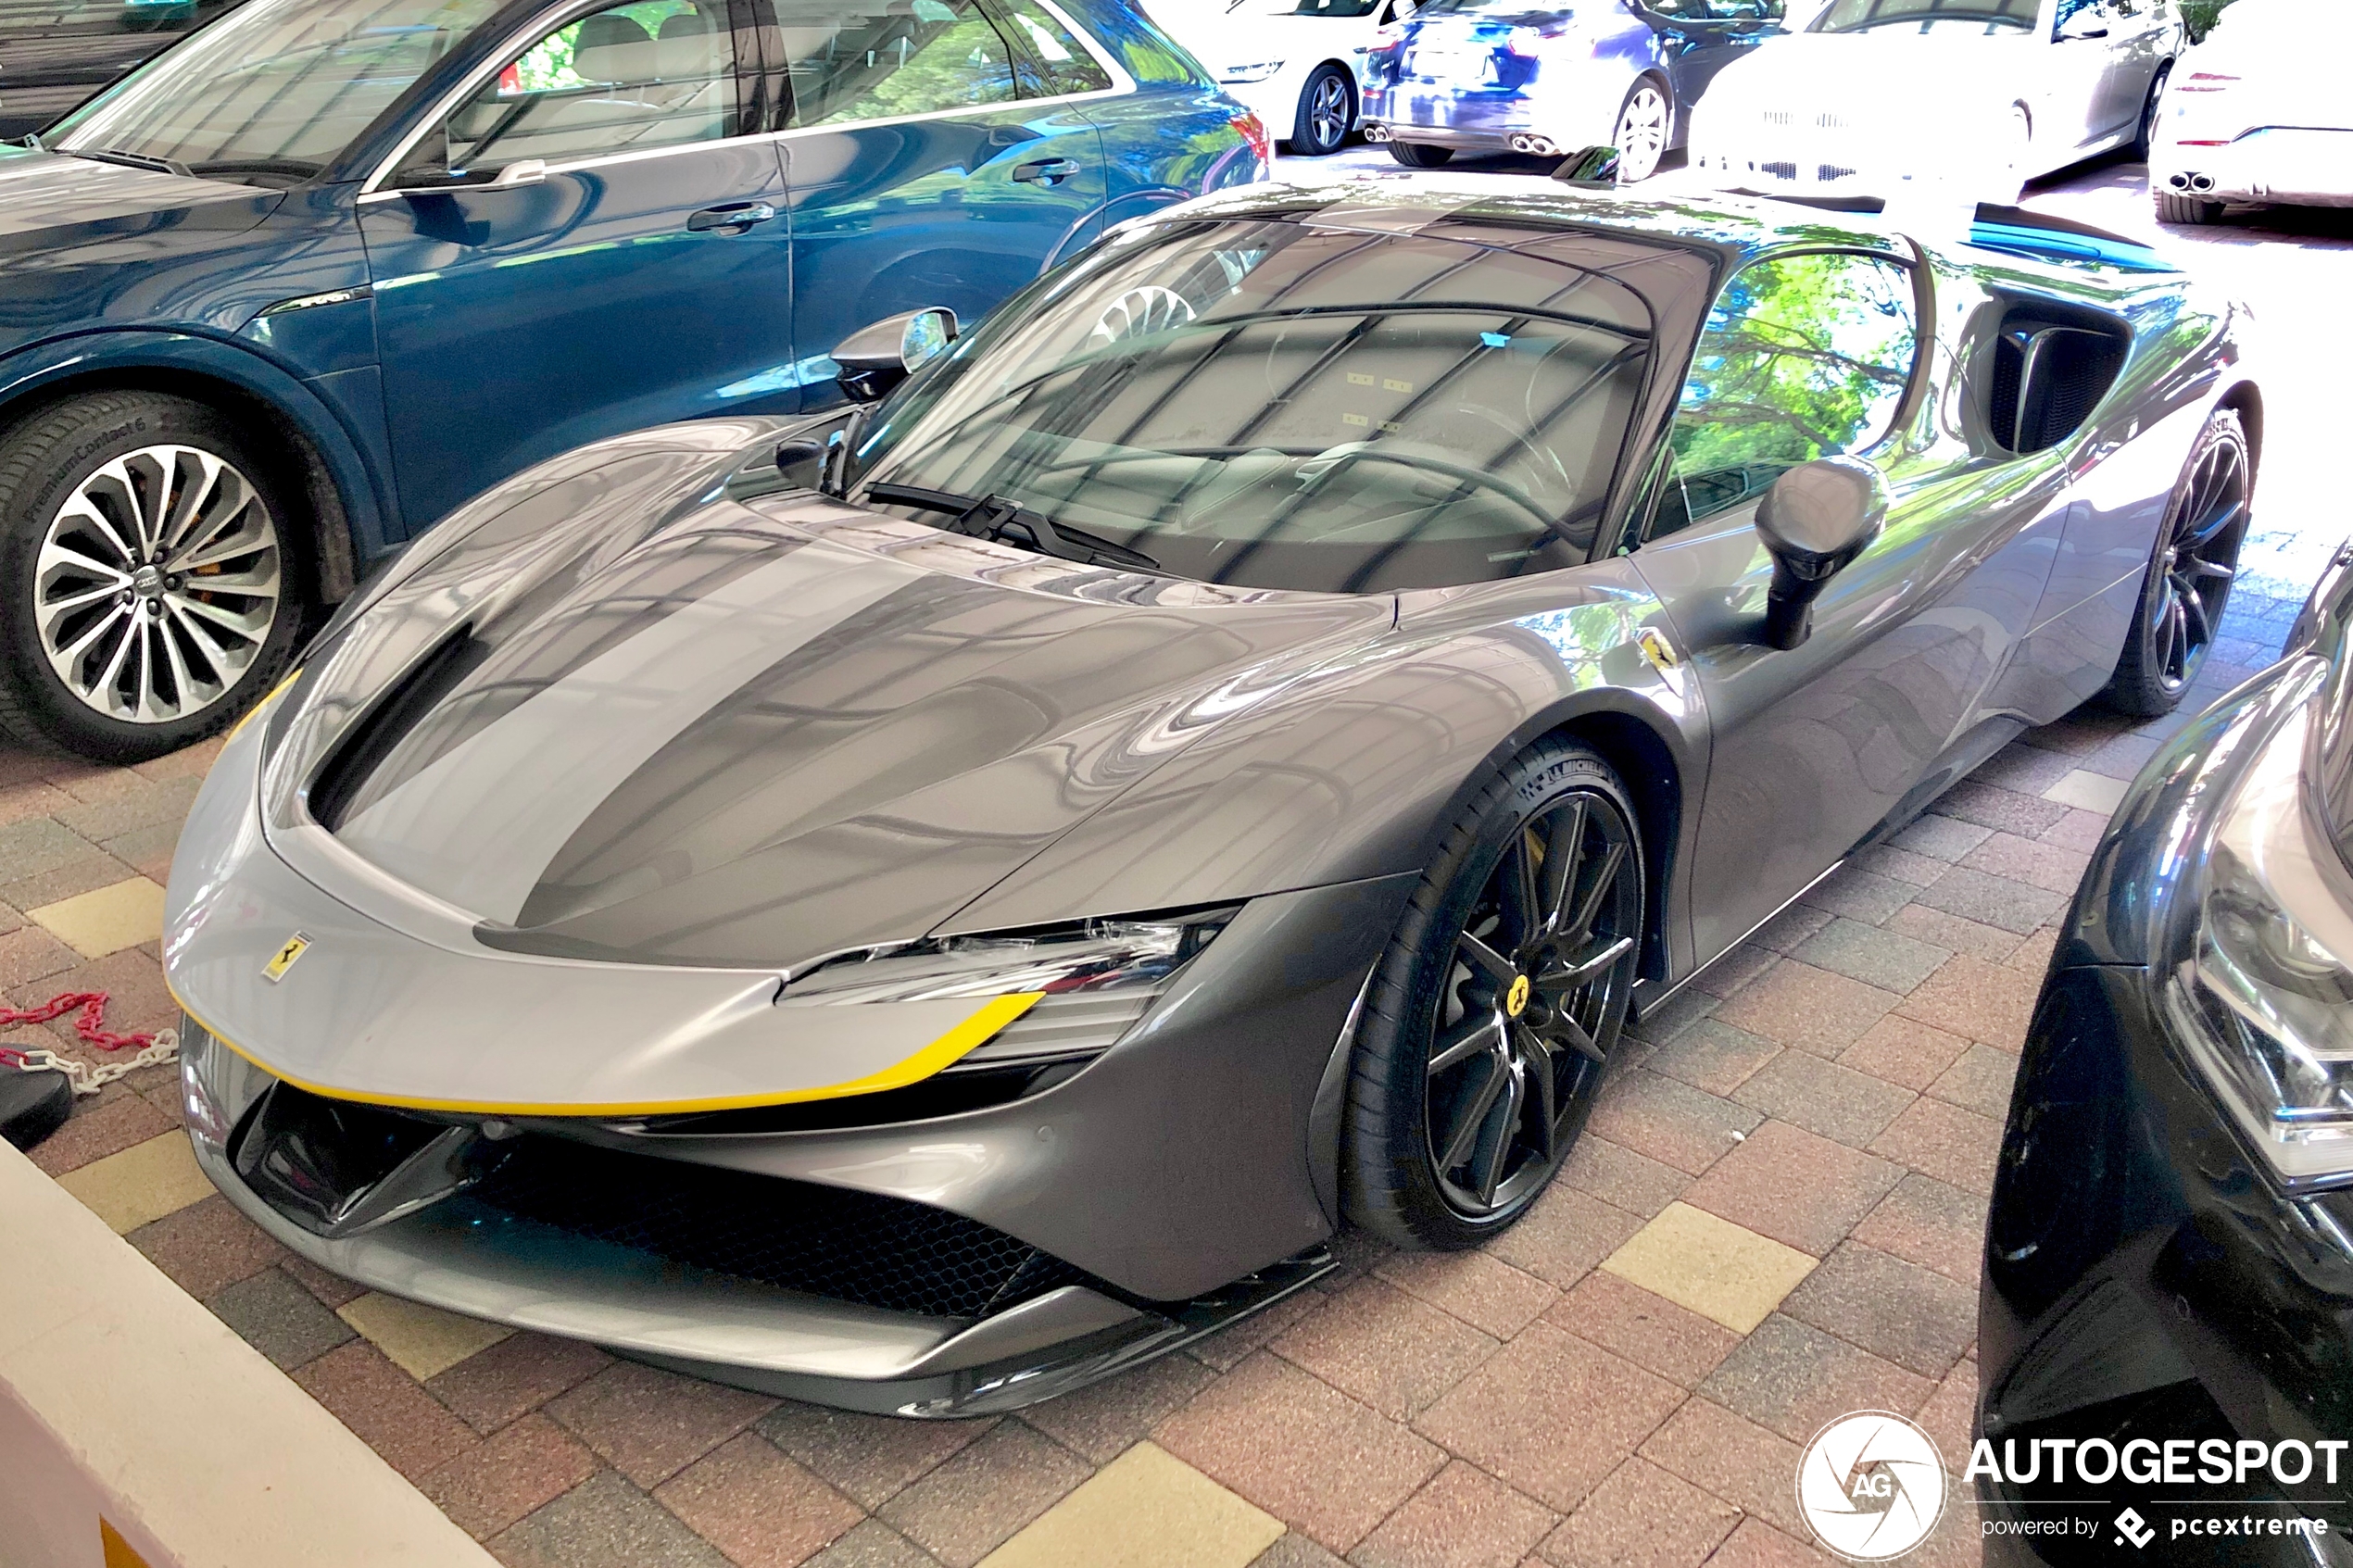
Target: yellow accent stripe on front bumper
(992, 1016)
(254, 711)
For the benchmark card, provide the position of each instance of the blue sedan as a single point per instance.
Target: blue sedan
(1538, 76)
(326, 268)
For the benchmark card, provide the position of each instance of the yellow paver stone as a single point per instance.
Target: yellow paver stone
(1718, 1269)
(141, 1185)
(422, 1341)
(106, 920)
(1146, 1508)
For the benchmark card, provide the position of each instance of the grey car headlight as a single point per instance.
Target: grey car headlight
(1090, 981)
(2259, 984)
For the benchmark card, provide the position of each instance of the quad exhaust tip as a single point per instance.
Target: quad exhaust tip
(1543, 146)
(1375, 131)
(2198, 183)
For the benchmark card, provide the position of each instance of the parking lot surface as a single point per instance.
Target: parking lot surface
(1818, 1116)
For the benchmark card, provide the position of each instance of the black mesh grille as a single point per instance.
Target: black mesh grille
(850, 1246)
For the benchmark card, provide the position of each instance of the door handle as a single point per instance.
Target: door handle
(1047, 171)
(734, 218)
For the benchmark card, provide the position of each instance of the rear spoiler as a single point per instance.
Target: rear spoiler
(2016, 230)
(2048, 238)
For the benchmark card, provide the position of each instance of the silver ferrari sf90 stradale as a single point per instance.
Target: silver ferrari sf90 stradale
(924, 905)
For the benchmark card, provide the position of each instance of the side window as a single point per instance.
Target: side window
(876, 60)
(1804, 357)
(1068, 67)
(652, 73)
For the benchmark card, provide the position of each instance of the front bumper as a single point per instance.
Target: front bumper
(2144, 1278)
(475, 1255)
(1187, 1175)
(2292, 167)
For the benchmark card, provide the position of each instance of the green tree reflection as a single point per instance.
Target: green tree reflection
(1802, 357)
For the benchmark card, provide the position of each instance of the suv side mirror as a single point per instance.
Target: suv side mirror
(2089, 22)
(875, 359)
(1814, 521)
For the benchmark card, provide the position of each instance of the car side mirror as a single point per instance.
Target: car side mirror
(801, 461)
(1594, 168)
(875, 359)
(2083, 24)
(1814, 521)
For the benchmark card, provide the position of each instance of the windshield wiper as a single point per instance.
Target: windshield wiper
(1008, 523)
(131, 160)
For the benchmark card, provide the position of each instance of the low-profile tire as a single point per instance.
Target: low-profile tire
(2193, 211)
(1327, 110)
(1421, 155)
(1645, 124)
(2145, 139)
(1492, 1011)
(2191, 568)
(150, 575)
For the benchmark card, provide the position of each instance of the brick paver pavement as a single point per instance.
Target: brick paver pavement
(1774, 1220)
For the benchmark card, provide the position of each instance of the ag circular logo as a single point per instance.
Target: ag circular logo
(1871, 1485)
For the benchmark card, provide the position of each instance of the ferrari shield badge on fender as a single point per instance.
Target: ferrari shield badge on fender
(284, 959)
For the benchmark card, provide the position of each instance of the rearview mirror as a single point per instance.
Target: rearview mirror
(1814, 521)
(875, 359)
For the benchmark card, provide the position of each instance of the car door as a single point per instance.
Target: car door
(1808, 355)
(934, 153)
(1699, 38)
(2087, 44)
(589, 242)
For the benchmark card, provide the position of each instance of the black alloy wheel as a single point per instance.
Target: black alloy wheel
(1327, 110)
(2190, 573)
(1496, 1008)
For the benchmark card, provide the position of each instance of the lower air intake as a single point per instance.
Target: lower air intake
(853, 1246)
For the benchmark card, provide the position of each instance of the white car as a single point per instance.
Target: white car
(1292, 62)
(1890, 99)
(2260, 111)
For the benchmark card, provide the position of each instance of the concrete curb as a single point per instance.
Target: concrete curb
(122, 1399)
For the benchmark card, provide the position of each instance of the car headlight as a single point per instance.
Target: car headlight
(1258, 72)
(1095, 955)
(2259, 986)
(1093, 979)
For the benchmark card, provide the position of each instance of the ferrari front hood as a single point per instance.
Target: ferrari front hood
(754, 740)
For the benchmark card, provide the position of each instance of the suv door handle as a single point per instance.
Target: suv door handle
(1049, 171)
(734, 218)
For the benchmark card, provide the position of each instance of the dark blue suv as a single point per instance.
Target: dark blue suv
(322, 270)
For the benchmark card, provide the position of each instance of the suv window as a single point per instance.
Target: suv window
(878, 59)
(1804, 357)
(652, 73)
(1067, 66)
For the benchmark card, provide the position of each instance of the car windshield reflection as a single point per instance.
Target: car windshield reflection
(1269, 405)
(275, 89)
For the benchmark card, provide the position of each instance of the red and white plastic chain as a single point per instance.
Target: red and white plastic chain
(162, 1046)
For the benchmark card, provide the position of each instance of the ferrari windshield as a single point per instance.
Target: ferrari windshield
(275, 88)
(1927, 15)
(1276, 405)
